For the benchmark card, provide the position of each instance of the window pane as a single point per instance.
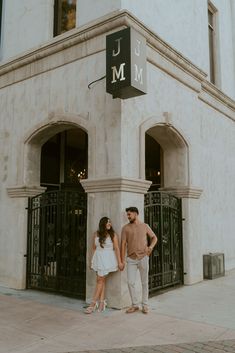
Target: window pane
(211, 45)
(68, 15)
(75, 156)
(64, 16)
(211, 51)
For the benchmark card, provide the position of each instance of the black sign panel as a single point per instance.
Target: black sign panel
(125, 64)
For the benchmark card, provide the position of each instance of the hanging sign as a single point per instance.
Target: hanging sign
(126, 64)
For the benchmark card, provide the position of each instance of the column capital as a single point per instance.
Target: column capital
(138, 186)
(24, 191)
(187, 192)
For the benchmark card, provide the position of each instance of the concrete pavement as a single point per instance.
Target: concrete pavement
(191, 317)
(197, 347)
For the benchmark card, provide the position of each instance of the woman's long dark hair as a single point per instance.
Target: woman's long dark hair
(102, 231)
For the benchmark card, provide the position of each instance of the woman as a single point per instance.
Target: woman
(105, 259)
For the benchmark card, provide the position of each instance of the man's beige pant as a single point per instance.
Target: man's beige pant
(143, 266)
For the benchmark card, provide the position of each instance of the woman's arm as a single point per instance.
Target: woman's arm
(117, 251)
(92, 249)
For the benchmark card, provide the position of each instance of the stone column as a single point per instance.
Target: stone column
(109, 197)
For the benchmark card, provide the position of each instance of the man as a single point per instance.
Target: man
(134, 239)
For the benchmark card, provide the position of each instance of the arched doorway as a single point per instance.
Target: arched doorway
(57, 217)
(64, 160)
(163, 153)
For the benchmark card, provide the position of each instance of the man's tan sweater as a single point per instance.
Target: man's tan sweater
(135, 235)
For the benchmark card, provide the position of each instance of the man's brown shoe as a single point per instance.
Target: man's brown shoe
(132, 309)
(145, 309)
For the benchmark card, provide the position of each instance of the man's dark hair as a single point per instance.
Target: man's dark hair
(132, 209)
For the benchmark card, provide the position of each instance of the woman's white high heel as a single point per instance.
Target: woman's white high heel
(91, 308)
(102, 306)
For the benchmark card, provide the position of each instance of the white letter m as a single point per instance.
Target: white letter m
(138, 75)
(118, 74)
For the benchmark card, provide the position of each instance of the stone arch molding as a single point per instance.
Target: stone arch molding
(176, 154)
(33, 141)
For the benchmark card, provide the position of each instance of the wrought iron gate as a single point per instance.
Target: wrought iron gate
(56, 255)
(163, 214)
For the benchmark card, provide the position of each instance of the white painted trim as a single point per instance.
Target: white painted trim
(212, 96)
(138, 186)
(150, 123)
(24, 191)
(187, 192)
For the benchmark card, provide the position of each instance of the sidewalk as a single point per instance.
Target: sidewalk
(35, 322)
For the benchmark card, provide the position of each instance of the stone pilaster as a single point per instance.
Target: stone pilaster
(109, 197)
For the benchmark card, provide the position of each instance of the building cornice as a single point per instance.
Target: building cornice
(218, 100)
(64, 49)
(24, 191)
(95, 28)
(138, 186)
(187, 192)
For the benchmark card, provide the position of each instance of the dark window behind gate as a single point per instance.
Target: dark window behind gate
(56, 256)
(163, 214)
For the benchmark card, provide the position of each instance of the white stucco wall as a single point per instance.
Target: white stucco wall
(90, 10)
(25, 25)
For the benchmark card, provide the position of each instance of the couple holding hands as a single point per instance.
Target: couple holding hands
(106, 257)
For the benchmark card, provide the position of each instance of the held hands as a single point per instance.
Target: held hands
(121, 266)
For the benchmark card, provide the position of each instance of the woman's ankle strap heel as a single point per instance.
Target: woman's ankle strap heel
(91, 308)
(102, 306)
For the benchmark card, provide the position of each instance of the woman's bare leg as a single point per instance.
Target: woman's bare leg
(99, 288)
(102, 297)
(102, 294)
(97, 294)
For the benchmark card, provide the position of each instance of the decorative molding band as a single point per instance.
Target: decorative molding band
(186, 192)
(212, 96)
(138, 186)
(72, 46)
(217, 93)
(171, 68)
(24, 191)
(113, 21)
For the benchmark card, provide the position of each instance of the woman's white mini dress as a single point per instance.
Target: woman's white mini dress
(104, 259)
